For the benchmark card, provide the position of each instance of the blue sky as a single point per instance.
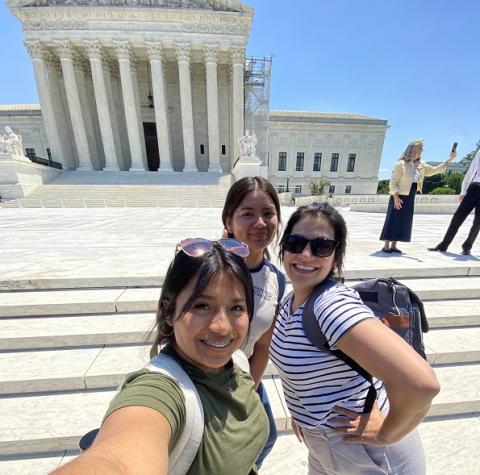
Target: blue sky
(412, 62)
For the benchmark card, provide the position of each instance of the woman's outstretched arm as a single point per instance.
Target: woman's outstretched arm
(131, 440)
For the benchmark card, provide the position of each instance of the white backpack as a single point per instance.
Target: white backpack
(183, 454)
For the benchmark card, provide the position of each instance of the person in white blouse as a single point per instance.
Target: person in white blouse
(469, 200)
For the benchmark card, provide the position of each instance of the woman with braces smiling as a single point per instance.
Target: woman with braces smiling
(203, 317)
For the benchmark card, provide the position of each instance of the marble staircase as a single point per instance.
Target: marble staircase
(114, 189)
(64, 351)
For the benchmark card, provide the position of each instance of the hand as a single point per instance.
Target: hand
(397, 202)
(360, 428)
(451, 157)
(297, 431)
(460, 198)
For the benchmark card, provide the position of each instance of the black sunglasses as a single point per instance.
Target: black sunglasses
(320, 247)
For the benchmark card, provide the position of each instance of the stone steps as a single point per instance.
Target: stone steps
(103, 367)
(63, 351)
(27, 332)
(72, 414)
(59, 302)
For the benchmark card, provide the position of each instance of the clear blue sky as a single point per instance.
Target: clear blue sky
(412, 62)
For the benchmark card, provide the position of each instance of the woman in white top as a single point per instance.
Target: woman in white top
(406, 182)
(325, 396)
(251, 214)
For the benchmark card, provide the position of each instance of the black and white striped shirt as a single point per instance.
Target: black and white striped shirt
(313, 380)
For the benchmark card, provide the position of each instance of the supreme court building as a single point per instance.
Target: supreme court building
(165, 85)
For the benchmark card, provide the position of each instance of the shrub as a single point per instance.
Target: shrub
(442, 190)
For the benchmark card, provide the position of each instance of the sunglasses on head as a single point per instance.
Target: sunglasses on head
(197, 247)
(320, 247)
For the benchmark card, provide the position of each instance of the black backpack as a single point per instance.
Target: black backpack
(393, 303)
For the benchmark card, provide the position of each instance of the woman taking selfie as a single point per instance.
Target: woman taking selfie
(326, 397)
(203, 317)
(252, 214)
(406, 182)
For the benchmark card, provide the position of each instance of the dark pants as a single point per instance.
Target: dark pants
(470, 201)
(272, 438)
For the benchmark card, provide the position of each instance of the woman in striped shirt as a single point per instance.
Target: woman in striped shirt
(325, 396)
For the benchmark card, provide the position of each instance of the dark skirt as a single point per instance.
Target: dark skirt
(398, 222)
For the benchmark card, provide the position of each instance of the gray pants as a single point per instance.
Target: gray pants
(329, 455)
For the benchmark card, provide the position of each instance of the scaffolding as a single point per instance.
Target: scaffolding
(258, 73)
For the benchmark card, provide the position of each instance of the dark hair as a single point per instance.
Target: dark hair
(182, 270)
(240, 189)
(334, 218)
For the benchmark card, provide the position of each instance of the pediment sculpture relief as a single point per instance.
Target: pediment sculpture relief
(216, 5)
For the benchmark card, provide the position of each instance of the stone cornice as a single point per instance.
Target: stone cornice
(77, 18)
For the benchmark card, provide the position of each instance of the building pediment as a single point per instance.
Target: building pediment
(235, 6)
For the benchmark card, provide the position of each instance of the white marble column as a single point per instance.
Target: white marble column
(136, 90)
(65, 52)
(59, 104)
(237, 56)
(124, 55)
(36, 51)
(94, 52)
(183, 58)
(155, 55)
(210, 53)
(115, 106)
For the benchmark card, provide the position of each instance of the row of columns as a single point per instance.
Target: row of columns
(109, 122)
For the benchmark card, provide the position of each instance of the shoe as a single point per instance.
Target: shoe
(437, 249)
(466, 252)
(394, 249)
(388, 251)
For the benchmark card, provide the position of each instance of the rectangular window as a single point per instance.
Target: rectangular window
(317, 162)
(30, 153)
(298, 189)
(300, 160)
(202, 148)
(282, 161)
(331, 189)
(281, 188)
(348, 189)
(351, 162)
(334, 162)
(224, 150)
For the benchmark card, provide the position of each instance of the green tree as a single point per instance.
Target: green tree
(382, 188)
(467, 159)
(319, 187)
(432, 182)
(454, 181)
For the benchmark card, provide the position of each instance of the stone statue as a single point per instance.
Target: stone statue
(248, 144)
(11, 143)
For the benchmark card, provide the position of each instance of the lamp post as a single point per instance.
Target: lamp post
(286, 189)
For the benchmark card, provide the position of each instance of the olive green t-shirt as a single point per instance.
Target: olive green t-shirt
(236, 425)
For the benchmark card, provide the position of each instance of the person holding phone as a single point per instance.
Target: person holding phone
(406, 182)
(469, 199)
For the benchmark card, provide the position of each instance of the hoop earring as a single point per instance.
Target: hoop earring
(162, 333)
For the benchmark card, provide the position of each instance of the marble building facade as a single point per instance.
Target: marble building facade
(159, 85)
(100, 65)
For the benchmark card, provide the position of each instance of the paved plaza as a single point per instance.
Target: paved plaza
(77, 269)
(50, 246)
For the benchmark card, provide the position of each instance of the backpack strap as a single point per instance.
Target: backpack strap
(183, 454)
(317, 338)
(282, 283)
